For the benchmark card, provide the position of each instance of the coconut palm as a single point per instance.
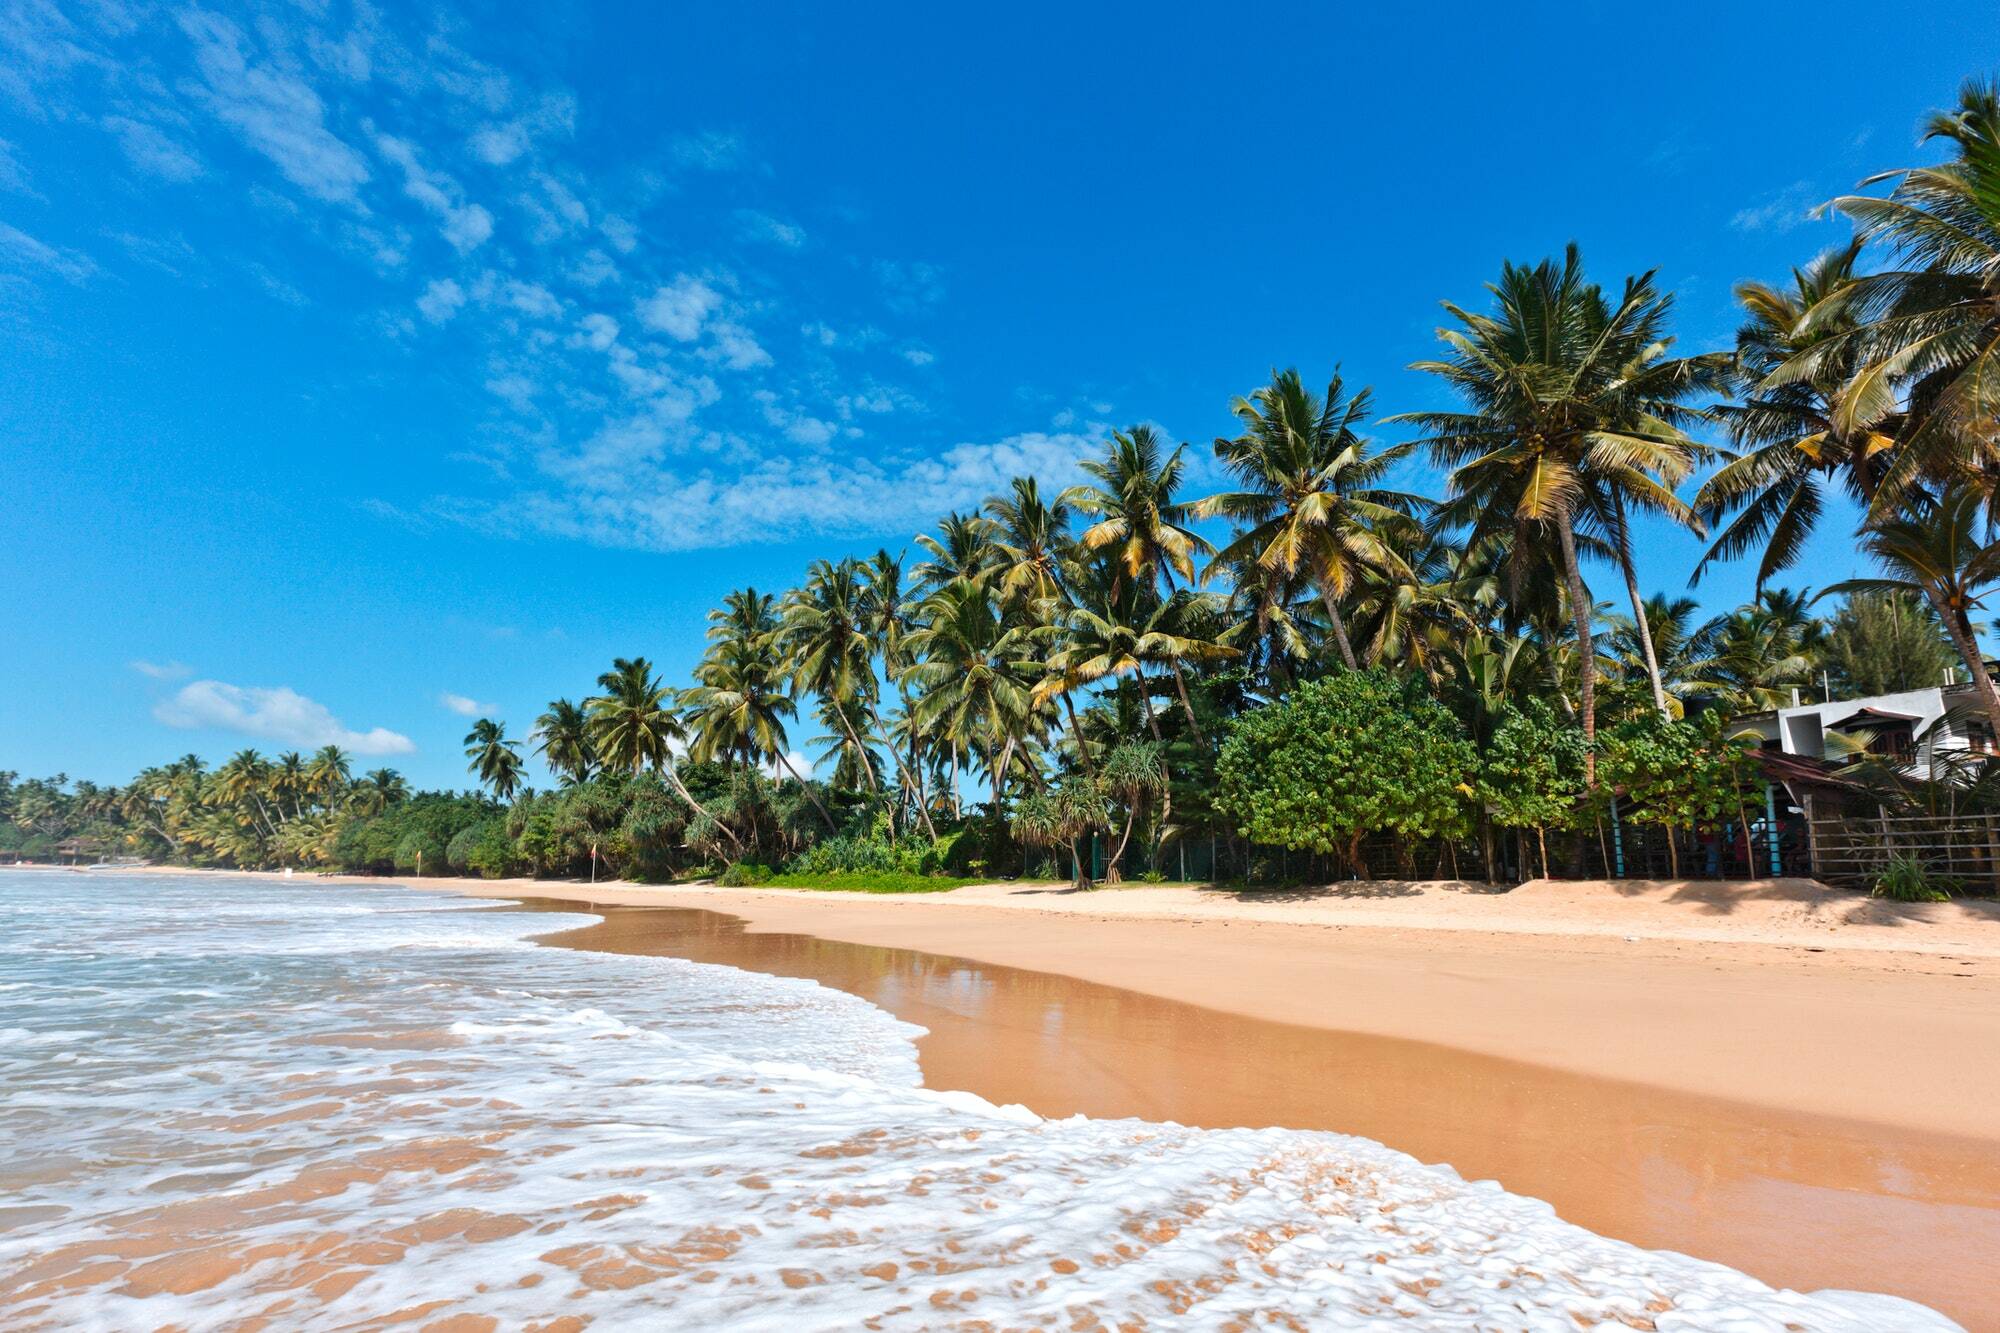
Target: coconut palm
(970, 670)
(962, 551)
(1033, 540)
(1139, 521)
(328, 775)
(495, 759)
(1930, 341)
(822, 636)
(1790, 449)
(632, 726)
(562, 738)
(1309, 503)
(1941, 549)
(1572, 398)
(738, 707)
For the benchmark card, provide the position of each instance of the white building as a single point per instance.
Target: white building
(1911, 726)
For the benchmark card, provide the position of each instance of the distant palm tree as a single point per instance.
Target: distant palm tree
(379, 790)
(970, 669)
(495, 759)
(329, 775)
(288, 780)
(1140, 521)
(1572, 399)
(962, 551)
(823, 638)
(1941, 550)
(1033, 540)
(738, 705)
(1309, 504)
(562, 737)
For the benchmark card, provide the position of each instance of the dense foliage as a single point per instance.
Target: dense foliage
(1304, 658)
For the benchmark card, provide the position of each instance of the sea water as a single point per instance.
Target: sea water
(231, 1103)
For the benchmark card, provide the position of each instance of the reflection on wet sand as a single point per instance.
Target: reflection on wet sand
(1799, 1201)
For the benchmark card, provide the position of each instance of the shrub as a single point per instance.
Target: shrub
(1342, 757)
(482, 849)
(1909, 880)
(743, 874)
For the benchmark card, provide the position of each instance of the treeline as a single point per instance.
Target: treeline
(1092, 659)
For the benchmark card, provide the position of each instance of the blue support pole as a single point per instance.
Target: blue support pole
(1617, 841)
(1771, 829)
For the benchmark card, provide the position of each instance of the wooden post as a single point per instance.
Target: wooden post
(1812, 840)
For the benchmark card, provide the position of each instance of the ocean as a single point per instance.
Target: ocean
(229, 1104)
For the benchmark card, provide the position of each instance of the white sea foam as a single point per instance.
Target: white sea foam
(221, 1100)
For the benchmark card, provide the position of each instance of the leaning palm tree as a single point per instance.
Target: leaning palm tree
(1790, 449)
(1930, 341)
(632, 726)
(738, 705)
(825, 648)
(562, 738)
(1943, 550)
(1309, 502)
(1139, 519)
(970, 671)
(495, 759)
(1571, 398)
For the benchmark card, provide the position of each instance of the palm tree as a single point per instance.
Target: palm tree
(1790, 446)
(1930, 341)
(970, 669)
(288, 780)
(822, 638)
(329, 774)
(738, 705)
(562, 738)
(380, 789)
(1941, 549)
(962, 551)
(1141, 522)
(1033, 541)
(1571, 398)
(632, 726)
(495, 759)
(1309, 503)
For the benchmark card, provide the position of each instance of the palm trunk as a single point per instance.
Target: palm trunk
(1112, 873)
(1000, 773)
(867, 769)
(1638, 605)
(1339, 628)
(1180, 686)
(1082, 750)
(1146, 704)
(910, 784)
(806, 787)
(1580, 609)
(1968, 649)
(673, 778)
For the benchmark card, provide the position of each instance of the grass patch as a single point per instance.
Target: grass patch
(865, 881)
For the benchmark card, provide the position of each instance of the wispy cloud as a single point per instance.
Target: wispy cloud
(69, 265)
(272, 713)
(274, 111)
(152, 150)
(758, 226)
(162, 670)
(1790, 208)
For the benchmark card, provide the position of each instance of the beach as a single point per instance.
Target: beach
(1790, 1084)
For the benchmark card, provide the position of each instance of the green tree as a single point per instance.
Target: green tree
(1681, 774)
(1356, 753)
(1058, 816)
(1531, 773)
(1884, 643)
(562, 737)
(632, 726)
(1140, 522)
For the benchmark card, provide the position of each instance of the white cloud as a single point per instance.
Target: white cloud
(162, 670)
(149, 148)
(737, 348)
(710, 150)
(465, 706)
(909, 287)
(599, 331)
(679, 308)
(1788, 209)
(272, 713)
(275, 112)
(531, 299)
(918, 356)
(441, 300)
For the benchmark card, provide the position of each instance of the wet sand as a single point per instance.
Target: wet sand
(1798, 1199)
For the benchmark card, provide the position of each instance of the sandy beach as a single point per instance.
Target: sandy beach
(1787, 1080)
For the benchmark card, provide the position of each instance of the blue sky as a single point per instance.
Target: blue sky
(360, 368)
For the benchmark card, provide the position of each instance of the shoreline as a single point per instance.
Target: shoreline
(1817, 1112)
(1792, 1008)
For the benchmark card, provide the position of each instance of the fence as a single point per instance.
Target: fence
(1854, 849)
